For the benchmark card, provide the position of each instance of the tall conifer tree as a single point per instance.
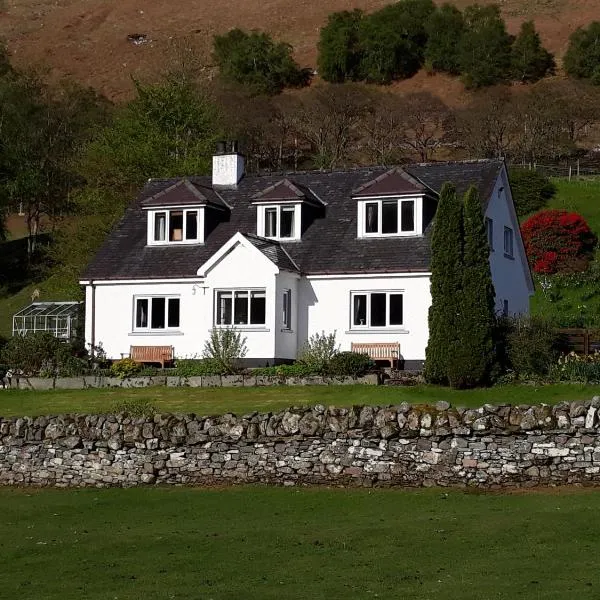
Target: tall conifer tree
(472, 352)
(446, 282)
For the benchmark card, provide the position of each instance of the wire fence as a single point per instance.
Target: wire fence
(570, 171)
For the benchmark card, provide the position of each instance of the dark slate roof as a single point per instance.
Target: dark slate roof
(328, 245)
(274, 251)
(395, 181)
(184, 193)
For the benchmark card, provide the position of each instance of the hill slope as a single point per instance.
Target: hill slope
(87, 39)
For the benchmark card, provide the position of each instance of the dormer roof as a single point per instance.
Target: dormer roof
(395, 182)
(185, 192)
(286, 191)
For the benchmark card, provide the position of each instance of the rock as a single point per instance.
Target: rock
(309, 424)
(54, 430)
(290, 422)
(441, 405)
(590, 417)
(115, 442)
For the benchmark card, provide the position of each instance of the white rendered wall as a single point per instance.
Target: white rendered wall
(245, 268)
(114, 314)
(510, 276)
(325, 306)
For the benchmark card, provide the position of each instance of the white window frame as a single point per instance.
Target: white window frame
(489, 231)
(233, 291)
(367, 325)
(261, 225)
(286, 309)
(150, 298)
(417, 217)
(199, 239)
(509, 248)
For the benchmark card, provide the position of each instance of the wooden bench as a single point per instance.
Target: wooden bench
(152, 354)
(378, 350)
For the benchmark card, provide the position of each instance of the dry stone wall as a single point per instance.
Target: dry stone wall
(405, 445)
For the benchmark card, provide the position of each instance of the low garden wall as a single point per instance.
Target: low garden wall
(94, 381)
(489, 447)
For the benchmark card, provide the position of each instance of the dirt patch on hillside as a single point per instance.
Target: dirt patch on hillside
(87, 39)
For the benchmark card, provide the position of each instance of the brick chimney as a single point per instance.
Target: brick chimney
(227, 166)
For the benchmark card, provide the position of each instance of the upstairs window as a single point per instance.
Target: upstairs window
(240, 307)
(508, 242)
(156, 312)
(173, 226)
(389, 217)
(377, 309)
(489, 229)
(279, 222)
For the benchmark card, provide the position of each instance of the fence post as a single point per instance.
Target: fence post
(577, 167)
(570, 171)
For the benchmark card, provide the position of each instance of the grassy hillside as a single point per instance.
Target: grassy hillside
(87, 41)
(574, 301)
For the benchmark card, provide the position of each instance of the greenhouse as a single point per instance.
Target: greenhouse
(58, 318)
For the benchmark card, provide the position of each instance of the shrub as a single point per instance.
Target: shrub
(530, 61)
(194, 367)
(577, 368)
(255, 60)
(224, 349)
(532, 346)
(582, 58)
(531, 190)
(339, 51)
(392, 41)
(318, 351)
(557, 241)
(484, 50)
(126, 367)
(295, 370)
(351, 364)
(444, 30)
(36, 352)
(134, 407)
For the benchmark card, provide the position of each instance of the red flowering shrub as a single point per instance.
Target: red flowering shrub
(558, 241)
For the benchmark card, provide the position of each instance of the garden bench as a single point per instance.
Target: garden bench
(378, 350)
(152, 354)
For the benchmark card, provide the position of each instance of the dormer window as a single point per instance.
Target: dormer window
(176, 226)
(281, 209)
(279, 222)
(391, 205)
(182, 213)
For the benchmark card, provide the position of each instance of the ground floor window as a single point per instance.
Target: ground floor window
(377, 309)
(156, 312)
(287, 309)
(240, 307)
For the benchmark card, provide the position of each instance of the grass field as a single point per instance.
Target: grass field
(281, 543)
(245, 400)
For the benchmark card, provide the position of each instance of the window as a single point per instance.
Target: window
(280, 222)
(287, 309)
(489, 229)
(377, 309)
(240, 307)
(389, 217)
(156, 312)
(508, 242)
(176, 226)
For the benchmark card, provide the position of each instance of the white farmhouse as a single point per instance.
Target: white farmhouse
(281, 257)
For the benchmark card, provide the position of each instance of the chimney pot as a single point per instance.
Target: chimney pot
(221, 146)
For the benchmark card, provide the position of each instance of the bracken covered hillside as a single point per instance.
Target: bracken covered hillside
(87, 39)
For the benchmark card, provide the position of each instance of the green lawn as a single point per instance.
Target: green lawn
(244, 400)
(273, 543)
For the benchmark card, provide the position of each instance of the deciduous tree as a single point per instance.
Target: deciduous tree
(530, 60)
(444, 28)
